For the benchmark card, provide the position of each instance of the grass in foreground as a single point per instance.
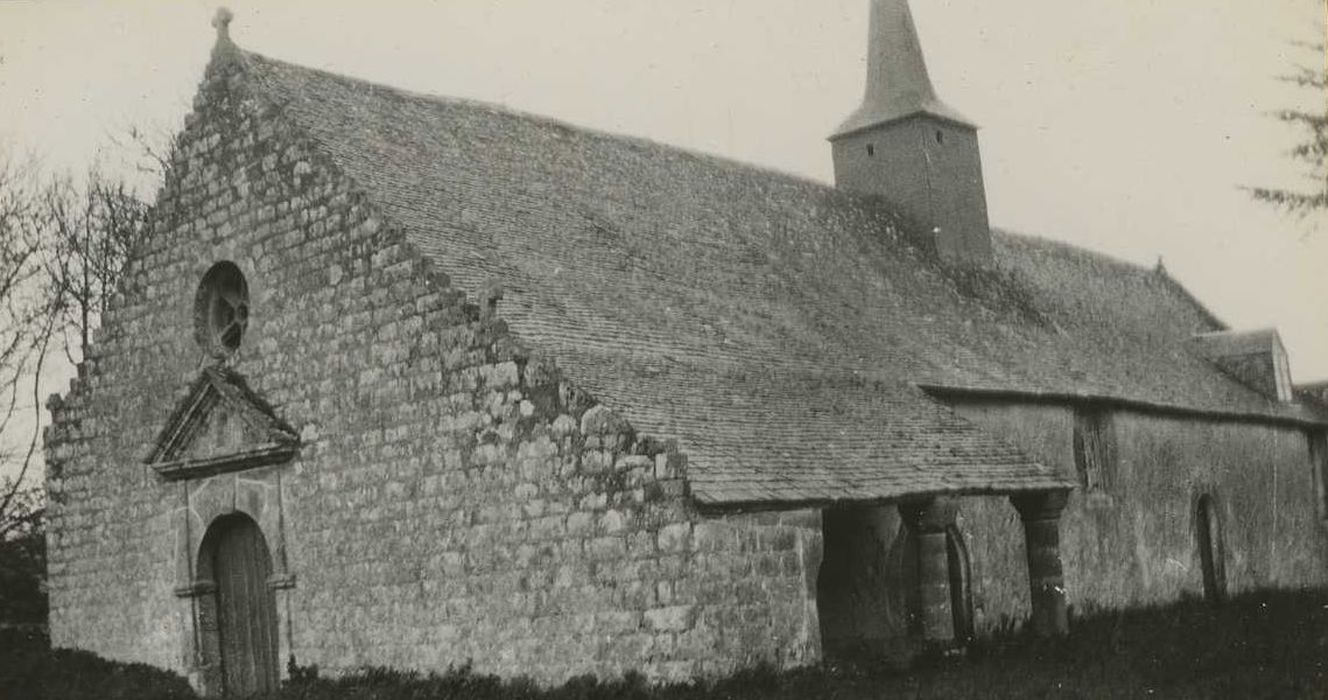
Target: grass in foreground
(1260, 645)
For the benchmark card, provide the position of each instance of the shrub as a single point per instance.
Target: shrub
(1267, 644)
(30, 669)
(23, 578)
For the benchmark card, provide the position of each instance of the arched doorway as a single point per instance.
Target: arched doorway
(961, 589)
(235, 556)
(1208, 532)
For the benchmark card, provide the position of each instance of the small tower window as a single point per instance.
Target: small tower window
(221, 309)
(871, 149)
(940, 136)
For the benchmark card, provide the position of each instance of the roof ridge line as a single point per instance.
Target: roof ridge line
(1156, 270)
(1102, 255)
(1244, 331)
(589, 131)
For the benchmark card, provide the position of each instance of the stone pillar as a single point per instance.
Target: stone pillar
(928, 519)
(203, 667)
(1041, 513)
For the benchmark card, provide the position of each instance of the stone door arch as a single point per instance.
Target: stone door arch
(240, 637)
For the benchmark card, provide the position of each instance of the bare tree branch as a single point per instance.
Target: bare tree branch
(63, 249)
(36, 420)
(24, 314)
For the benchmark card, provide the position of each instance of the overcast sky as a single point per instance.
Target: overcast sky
(1125, 126)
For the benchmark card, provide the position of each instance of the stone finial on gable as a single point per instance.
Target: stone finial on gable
(222, 22)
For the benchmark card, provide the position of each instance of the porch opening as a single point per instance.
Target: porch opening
(868, 589)
(860, 589)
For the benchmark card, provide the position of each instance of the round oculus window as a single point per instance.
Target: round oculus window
(221, 309)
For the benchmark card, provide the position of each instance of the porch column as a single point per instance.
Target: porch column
(929, 518)
(1041, 513)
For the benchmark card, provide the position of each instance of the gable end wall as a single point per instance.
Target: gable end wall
(453, 498)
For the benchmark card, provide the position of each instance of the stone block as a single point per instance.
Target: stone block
(612, 522)
(616, 621)
(672, 488)
(713, 536)
(548, 527)
(627, 463)
(607, 548)
(503, 375)
(534, 508)
(637, 595)
(641, 544)
(564, 425)
(777, 539)
(628, 649)
(580, 523)
(593, 501)
(601, 421)
(596, 461)
(673, 618)
(675, 538)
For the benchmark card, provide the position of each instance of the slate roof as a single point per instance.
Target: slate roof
(775, 326)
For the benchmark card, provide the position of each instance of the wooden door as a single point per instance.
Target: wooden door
(246, 608)
(1208, 530)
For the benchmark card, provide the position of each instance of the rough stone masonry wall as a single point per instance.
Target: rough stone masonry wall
(453, 499)
(1136, 544)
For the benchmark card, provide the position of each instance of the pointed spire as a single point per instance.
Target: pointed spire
(897, 80)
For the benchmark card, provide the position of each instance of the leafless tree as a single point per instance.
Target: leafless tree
(90, 232)
(64, 245)
(26, 328)
(24, 513)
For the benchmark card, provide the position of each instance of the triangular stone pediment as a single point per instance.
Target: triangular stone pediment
(220, 426)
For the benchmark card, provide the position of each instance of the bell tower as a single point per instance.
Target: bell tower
(906, 145)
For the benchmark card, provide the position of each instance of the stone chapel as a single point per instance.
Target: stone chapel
(406, 380)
